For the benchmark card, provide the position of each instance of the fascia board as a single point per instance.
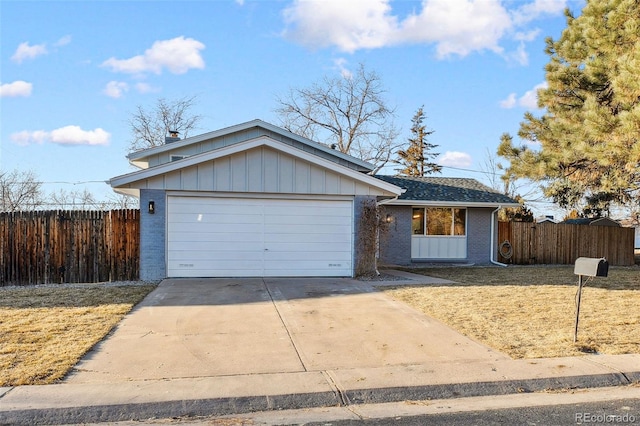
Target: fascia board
(142, 154)
(247, 145)
(134, 192)
(426, 203)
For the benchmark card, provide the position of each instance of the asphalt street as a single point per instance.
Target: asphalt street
(620, 412)
(604, 406)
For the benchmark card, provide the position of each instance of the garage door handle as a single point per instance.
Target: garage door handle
(266, 249)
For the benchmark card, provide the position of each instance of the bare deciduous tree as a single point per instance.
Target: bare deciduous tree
(72, 200)
(149, 127)
(20, 191)
(85, 200)
(349, 112)
(122, 201)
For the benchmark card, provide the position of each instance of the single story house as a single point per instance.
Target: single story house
(438, 219)
(256, 200)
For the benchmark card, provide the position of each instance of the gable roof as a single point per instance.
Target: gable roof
(439, 191)
(251, 130)
(131, 182)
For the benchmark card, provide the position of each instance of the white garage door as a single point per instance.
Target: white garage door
(241, 237)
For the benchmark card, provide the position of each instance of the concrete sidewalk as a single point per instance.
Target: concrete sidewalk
(216, 347)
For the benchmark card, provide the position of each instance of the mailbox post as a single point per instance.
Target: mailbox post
(587, 267)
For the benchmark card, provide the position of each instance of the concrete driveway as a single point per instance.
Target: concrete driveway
(189, 328)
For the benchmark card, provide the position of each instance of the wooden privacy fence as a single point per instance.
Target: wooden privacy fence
(42, 247)
(550, 243)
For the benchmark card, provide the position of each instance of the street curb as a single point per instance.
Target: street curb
(464, 390)
(167, 409)
(248, 404)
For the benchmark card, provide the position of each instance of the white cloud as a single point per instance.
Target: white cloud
(510, 102)
(146, 88)
(529, 100)
(349, 25)
(455, 159)
(177, 55)
(456, 27)
(15, 89)
(68, 135)
(340, 64)
(63, 41)
(520, 55)
(531, 11)
(527, 36)
(115, 89)
(26, 51)
(27, 137)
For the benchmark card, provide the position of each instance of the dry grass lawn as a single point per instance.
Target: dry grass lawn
(529, 311)
(44, 331)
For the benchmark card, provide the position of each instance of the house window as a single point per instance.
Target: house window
(417, 222)
(439, 221)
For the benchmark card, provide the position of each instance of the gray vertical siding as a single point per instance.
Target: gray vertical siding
(153, 235)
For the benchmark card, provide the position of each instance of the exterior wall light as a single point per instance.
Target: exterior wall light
(388, 218)
(152, 207)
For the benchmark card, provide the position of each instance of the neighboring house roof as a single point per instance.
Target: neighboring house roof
(546, 219)
(447, 191)
(603, 221)
(239, 133)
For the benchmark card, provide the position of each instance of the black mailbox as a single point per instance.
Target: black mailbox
(591, 267)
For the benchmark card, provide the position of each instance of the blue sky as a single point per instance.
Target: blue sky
(72, 73)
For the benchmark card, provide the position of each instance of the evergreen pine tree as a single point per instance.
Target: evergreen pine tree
(415, 159)
(585, 148)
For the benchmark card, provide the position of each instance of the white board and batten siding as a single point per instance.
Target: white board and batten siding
(260, 169)
(438, 247)
(258, 237)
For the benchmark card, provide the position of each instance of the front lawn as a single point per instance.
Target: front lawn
(529, 311)
(44, 331)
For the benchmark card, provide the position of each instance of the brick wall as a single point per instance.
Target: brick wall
(479, 235)
(395, 241)
(153, 235)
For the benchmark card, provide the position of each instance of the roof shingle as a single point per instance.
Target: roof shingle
(441, 189)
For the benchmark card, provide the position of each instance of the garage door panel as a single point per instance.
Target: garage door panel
(307, 229)
(221, 237)
(343, 238)
(285, 205)
(304, 247)
(237, 228)
(316, 220)
(307, 269)
(224, 269)
(216, 253)
(214, 218)
(300, 257)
